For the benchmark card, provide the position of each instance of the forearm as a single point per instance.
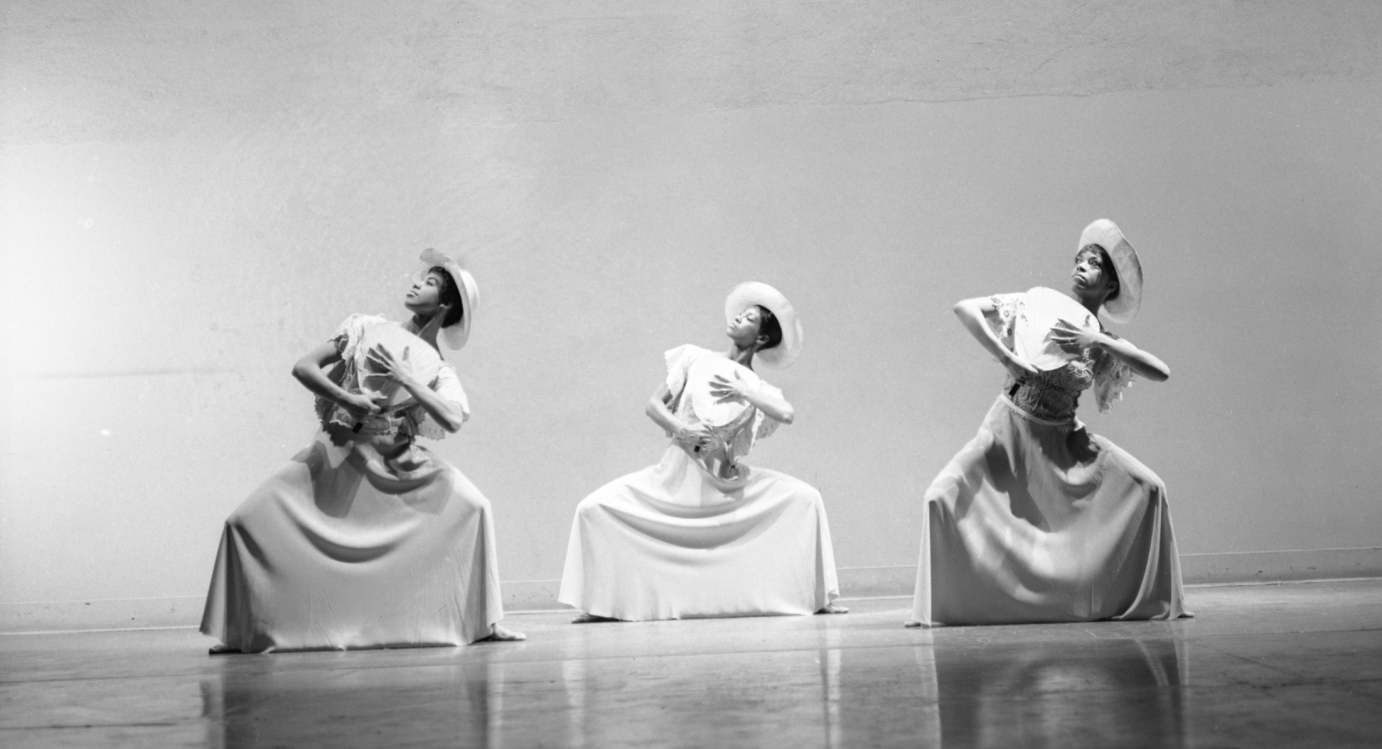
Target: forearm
(776, 409)
(1141, 362)
(446, 413)
(971, 315)
(309, 371)
(661, 415)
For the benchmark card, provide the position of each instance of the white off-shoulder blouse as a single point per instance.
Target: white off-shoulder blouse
(407, 421)
(679, 362)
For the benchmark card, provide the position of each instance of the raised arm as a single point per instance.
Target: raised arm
(446, 413)
(972, 313)
(310, 371)
(774, 408)
(1141, 362)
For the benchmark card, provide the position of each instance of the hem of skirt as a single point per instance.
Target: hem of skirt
(684, 616)
(1070, 422)
(225, 648)
(1161, 616)
(619, 614)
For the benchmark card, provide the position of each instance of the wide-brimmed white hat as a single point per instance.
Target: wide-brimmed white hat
(454, 336)
(752, 293)
(1122, 308)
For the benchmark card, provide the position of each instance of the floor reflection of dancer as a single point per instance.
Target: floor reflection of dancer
(367, 539)
(700, 534)
(1036, 520)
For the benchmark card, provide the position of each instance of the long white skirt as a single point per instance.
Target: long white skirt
(673, 542)
(1041, 522)
(325, 556)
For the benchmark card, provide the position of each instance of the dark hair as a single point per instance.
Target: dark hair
(450, 296)
(768, 326)
(1105, 264)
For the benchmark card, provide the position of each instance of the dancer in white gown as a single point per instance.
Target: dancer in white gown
(701, 534)
(366, 538)
(1036, 519)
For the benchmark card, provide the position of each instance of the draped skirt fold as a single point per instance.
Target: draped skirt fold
(1034, 521)
(675, 542)
(333, 553)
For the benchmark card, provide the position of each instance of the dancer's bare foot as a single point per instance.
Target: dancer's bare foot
(500, 633)
(585, 618)
(833, 608)
(912, 625)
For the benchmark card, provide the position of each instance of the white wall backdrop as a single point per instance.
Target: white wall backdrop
(193, 195)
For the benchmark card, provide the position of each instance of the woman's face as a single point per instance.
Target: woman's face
(424, 297)
(743, 330)
(1090, 279)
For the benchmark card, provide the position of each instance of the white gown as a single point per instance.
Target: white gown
(337, 550)
(674, 541)
(1037, 520)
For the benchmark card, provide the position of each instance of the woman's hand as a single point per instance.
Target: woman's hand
(692, 435)
(725, 390)
(1073, 340)
(398, 371)
(360, 406)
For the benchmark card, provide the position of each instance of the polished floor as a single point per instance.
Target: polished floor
(1260, 666)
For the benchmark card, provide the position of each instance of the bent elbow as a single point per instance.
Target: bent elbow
(300, 370)
(969, 311)
(456, 419)
(1157, 372)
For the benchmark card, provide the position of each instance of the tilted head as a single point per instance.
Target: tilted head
(460, 301)
(774, 323)
(1120, 263)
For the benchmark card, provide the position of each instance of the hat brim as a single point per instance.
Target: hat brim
(1103, 232)
(753, 293)
(455, 336)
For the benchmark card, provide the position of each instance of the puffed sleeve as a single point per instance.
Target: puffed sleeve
(1007, 308)
(678, 361)
(762, 425)
(448, 386)
(1111, 376)
(748, 436)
